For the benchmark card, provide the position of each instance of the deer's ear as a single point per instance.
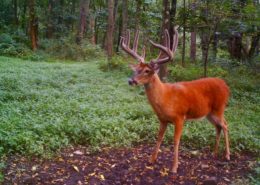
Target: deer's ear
(157, 70)
(155, 67)
(133, 66)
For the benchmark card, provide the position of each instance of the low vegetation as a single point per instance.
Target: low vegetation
(46, 106)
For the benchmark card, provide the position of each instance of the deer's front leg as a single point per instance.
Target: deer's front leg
(177, 137)
(162, 129)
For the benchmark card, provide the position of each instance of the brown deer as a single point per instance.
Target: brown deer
(177, 102)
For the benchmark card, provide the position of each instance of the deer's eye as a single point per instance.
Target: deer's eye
(147, 71)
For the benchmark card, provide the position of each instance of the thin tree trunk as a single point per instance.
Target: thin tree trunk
(184, 35)
(49, 33)
(119, 35)
(165, 26)
(73, 8)
(215, 47)
(138, 14)
(193, 38)
(110, 29)
(116, 24)
(24, 25)
(124, 16)
(33, 25)
(193, 46)
(206, 61)
(16, 21)
(92, 25)
(254, 46)
(84, 11)
(172, 18)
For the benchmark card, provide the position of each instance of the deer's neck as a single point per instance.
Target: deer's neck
(154, 89)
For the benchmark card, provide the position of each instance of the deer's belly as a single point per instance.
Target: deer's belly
(195, 119)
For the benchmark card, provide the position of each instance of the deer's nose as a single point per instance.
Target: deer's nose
(131, 81)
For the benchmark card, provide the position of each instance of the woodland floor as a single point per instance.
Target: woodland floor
(76, 165)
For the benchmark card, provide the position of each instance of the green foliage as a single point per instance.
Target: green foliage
(191, 72)
(10, 47)
(67, 49)
(118, 63)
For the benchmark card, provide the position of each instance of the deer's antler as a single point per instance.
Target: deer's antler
(125, 43)
(167, 52)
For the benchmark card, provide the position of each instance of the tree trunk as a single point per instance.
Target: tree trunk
(254, 46)
(49, 33)
(172, 18)
(184, 35)
(16, 21)
(204, 42)
(235, 46)
(116, 24)
(33, 25)
(110, 29)
(193, 37)
(215, 47)
(138, 14)
(165, 26)
(206, 60)
(193, 47)
(92, 25)
(23, 22)
(73, 8)
(84, 12)
(124, 17)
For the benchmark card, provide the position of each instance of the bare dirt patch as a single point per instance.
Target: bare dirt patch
(76, 165)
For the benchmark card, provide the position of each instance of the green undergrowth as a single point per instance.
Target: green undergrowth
(45, 106)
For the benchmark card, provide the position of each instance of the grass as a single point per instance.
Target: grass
(46, 106)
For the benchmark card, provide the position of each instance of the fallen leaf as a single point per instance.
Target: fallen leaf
(102, 177)
(34, 168)
(78, 152)
(226, 179)
(75, 168)
(149, 167)
(92, 174)
(164, 172)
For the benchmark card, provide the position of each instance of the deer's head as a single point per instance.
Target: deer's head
(143, 72)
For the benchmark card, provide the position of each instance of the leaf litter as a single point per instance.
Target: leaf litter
(76, 165)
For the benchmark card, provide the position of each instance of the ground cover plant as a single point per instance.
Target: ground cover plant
(46, 106)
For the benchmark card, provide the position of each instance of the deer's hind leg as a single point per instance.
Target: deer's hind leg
(220, 124)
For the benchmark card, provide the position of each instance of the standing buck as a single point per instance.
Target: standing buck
(177, 102)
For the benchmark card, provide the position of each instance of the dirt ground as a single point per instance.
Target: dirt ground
(76, 165)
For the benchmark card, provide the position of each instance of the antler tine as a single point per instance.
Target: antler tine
(143, 53)
(125, 44)
(166, 49)
(167, 38)
(135, 45)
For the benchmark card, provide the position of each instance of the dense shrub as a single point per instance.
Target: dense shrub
(67, 49)
(117, 62)
(10, 47)
(191, 72)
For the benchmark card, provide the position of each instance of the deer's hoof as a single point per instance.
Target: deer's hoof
(227, 157)
(174, 170)
(152, 160)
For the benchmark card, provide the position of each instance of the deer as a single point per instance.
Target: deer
(175, 103)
